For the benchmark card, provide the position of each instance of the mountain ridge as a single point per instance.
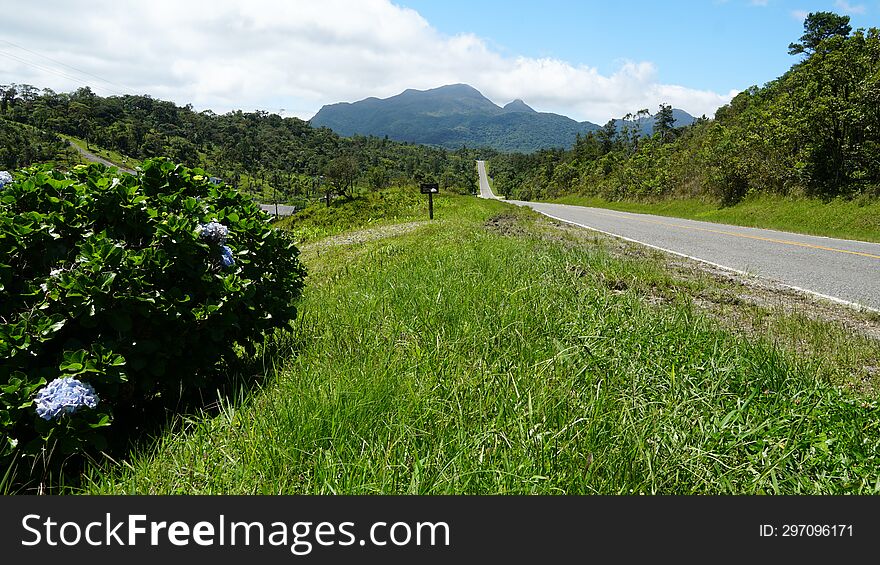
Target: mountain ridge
(458, 115)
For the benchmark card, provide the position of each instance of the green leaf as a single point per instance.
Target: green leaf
(74, 361)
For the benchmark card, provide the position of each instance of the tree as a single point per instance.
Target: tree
(664, 123)
(817, 27)
(341, 172)
(378, 177)
(607, 135)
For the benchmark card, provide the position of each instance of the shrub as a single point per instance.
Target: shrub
(119, 289)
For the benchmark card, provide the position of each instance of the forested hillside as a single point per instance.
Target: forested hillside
(458, 115)
(453, 116)
(252, 151)
(814, 131)
(21, 145)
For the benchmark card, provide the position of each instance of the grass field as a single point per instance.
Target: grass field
(489, 352)
(847, 219)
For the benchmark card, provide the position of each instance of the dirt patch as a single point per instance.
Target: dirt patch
(506, 224)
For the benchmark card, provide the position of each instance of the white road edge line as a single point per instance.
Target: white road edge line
(855, 305)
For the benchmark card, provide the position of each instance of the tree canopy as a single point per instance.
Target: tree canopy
(819, 26)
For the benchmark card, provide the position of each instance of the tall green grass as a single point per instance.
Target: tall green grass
(848, 219)
(462, 359)
(366, 209)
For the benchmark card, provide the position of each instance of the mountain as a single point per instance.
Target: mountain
(453, 116)
(517, 106)
(459, 115)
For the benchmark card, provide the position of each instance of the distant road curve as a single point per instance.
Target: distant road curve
(96, 159)
(840, 270)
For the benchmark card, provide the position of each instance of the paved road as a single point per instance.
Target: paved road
(283, 209)
(485, 191)
(842, 270)
(96, 159)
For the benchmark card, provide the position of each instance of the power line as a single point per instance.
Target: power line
(43, 68)
(131, 90)
(56, 72)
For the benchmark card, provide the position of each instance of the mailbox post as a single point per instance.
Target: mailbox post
(430, 189)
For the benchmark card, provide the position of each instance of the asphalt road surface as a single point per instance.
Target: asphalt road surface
(283, 209)
(837, 269)
(97, 159)
(485, 191)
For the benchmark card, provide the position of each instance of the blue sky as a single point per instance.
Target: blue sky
(710, 44)
(593, 60)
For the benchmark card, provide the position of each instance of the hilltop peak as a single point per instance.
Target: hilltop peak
(518, 106)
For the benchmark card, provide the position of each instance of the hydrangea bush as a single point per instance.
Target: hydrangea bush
(118, 289)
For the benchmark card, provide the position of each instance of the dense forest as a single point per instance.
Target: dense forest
(256, 152)
(22, 145)
(815, 131)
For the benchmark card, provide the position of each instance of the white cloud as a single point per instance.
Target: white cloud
(299, 55)
(799, 15)
(848, 8)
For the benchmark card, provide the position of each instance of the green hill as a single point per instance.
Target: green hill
(453, 116)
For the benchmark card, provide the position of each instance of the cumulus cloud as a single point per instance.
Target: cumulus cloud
(299, 55)
(848, 8)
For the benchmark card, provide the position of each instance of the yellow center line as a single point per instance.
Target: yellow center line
(722, 232)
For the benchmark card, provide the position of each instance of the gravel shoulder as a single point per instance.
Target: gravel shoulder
(363, 236)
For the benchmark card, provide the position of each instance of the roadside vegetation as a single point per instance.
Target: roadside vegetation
(492, 351)
(114, 157)
(22, 145)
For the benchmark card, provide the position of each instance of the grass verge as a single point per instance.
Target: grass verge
(487, 352)
(368, 209)
(847, 219)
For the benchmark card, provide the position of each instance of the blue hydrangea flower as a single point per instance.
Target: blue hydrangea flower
(213, 232)
(62, 396)
(226, 256)
(5, 178)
